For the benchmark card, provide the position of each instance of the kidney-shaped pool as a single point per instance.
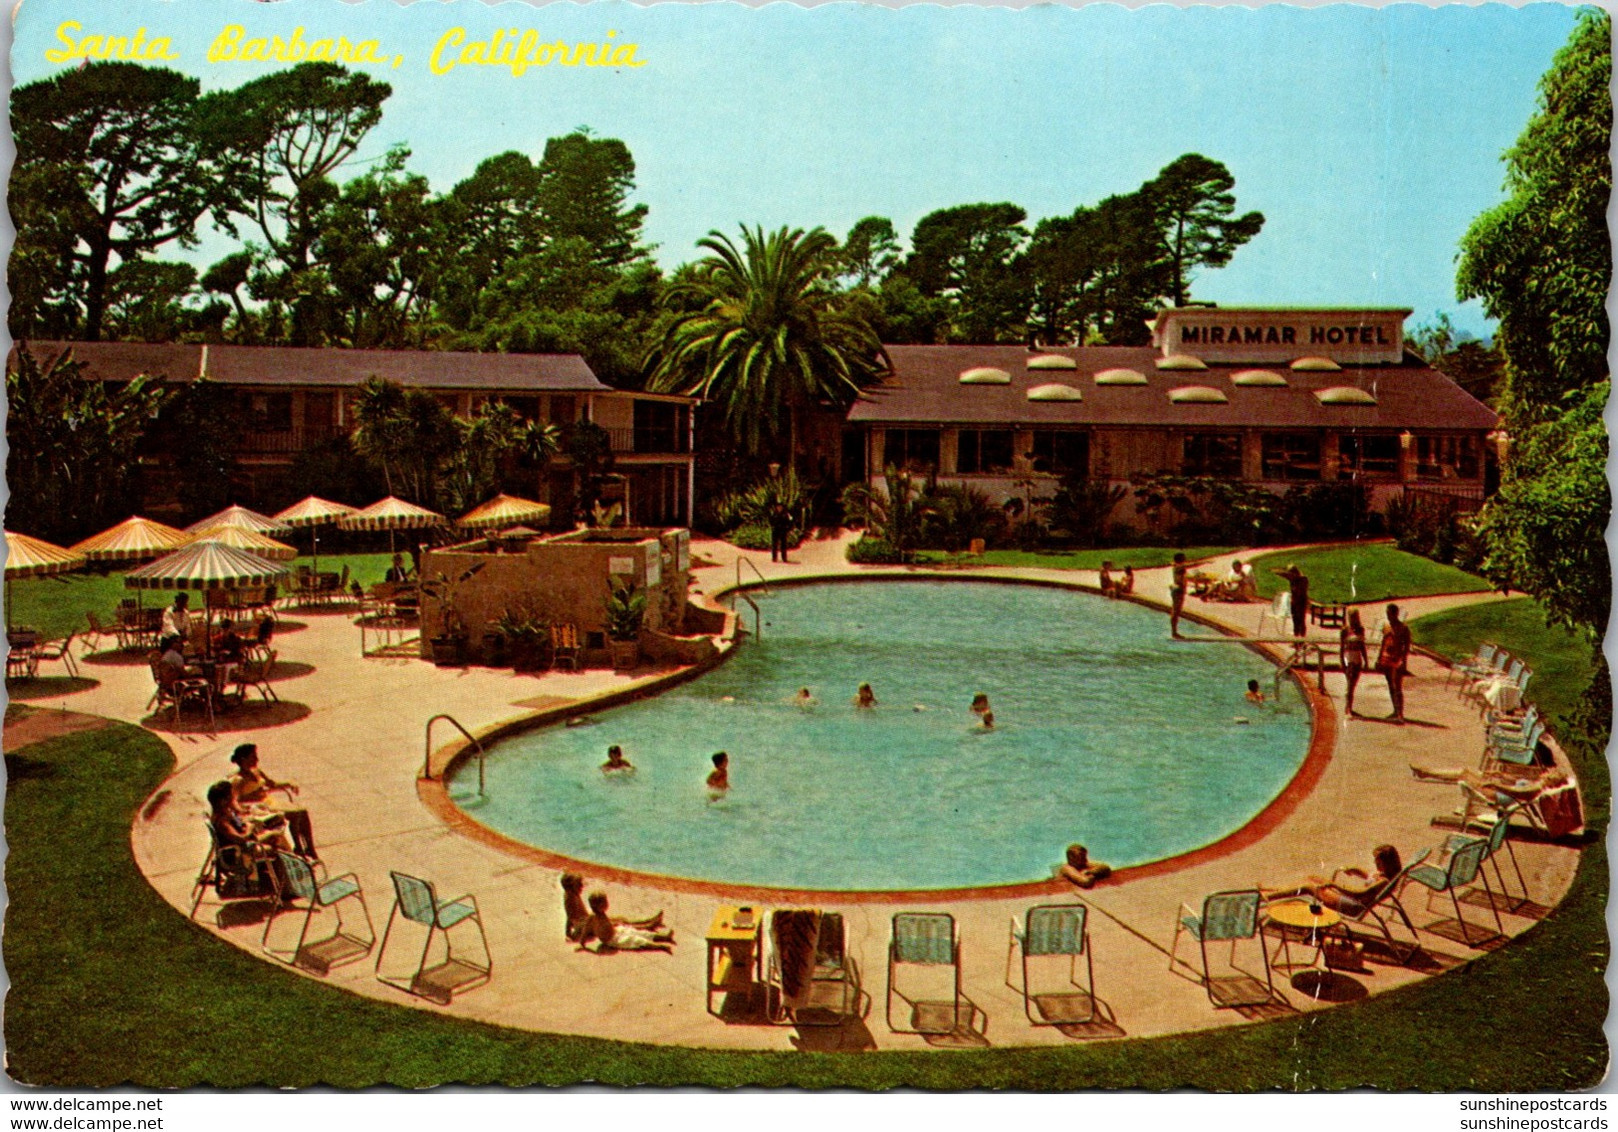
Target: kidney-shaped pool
(1105, 733)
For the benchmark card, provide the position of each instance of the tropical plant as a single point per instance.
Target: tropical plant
(1082, 506)
(956, 514)
(764, 335)
(409, 433)
(625, 610)
(603, 517)
(754, 504)
(1199, 508)
(893, 515)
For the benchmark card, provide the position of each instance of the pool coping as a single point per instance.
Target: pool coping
(433, 791)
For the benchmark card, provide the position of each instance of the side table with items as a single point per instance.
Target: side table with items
(734, 955)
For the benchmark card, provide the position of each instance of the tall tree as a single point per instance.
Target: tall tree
(1197, 211)
(767, 334)
(583, 191)
(108, 169)
(870, 251)
(968, 254)
(71, 445)
(146, 300)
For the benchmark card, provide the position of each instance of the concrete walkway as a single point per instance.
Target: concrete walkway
(350, 730)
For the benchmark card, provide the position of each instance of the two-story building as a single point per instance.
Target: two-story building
(295, 399)
(1272, 397)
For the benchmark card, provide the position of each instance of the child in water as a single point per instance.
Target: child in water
(616, 763)
(1254, 695)
(988, 721)
(804, 699)
(865, 698)
(719, 777)
(980, 704)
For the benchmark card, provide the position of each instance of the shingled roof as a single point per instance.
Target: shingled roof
(926, 390)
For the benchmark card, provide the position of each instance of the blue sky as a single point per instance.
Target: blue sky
(1369, 137)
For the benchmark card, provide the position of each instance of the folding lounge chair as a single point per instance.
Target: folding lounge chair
(234, 875)
(455, 969)
(1054, 931)
(1492, 813)
(1226, 917)
(813, 979)
(1464, 867)
(345, 943)
(1477, 667)
(1369, 909)
(1518, 752)
(923, 940)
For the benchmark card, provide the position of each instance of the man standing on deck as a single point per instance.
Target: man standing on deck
(1390, 659)
(1298, 584)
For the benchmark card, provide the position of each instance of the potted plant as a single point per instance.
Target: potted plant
(526, 636)
(449, 646)
(625, 610)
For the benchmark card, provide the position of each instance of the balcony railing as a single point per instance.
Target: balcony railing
(283, 441)
(661, 441)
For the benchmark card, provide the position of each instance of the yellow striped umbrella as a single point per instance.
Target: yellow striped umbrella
(243, 539)
(133, 538)
(205, 565)
(27, 556)
(506, 510)
(313, 512)
(390, 514)
(238, 516)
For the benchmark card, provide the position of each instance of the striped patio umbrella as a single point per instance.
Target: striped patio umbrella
(391, 514)
(27, 556)
(506, 510)
(313, 512)
(134, 538)
(243, 539)
(238, 516)
(205, 565)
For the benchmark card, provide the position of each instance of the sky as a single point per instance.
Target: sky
(1369, 137)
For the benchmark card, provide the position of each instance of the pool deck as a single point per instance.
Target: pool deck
(350, 731)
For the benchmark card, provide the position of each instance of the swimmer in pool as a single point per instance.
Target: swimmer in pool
(988, 721)
(865, 698)
(1254, 695)
(804, 699)
(980, 704)
(616, 763)
(719, 777)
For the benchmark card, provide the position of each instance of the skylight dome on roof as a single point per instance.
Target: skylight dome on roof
(1257, 377)
(1344, 395)
(1052, 361)
(1197, 395)
(1316, 365)
(1055, 391)
(985, 375)
(1181, 361)
(1120, 377)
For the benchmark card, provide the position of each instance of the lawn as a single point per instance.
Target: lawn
(1378, 572)
(109, 984)
(56, 605)
(1139, 557)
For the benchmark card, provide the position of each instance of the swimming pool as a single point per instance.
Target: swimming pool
(1106, 733)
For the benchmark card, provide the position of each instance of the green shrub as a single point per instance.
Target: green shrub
(872, 551)
(955, 514)
(1082, 506)
(753, 504)
(756, 536)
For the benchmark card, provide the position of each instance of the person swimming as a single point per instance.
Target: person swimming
(988, 721)
(865, 698)
(719, 777)
(980, 704)
(616, 763)
(1254, 695)
(804, 699)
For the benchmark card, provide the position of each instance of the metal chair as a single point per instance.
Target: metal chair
(178, 690)
(254, 672)
(1226, 917)
(234, 874)
(1494, 815)
(1464, 867)
(813, 979)
(1055, 931)
(1279, 611)
(417, 903)
(929, 940)
(1481, 664)
(57, 650)
(342, 944)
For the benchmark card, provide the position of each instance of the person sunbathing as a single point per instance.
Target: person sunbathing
(1350, 889)
(577, 915)
(616, 935)
(1520, 783)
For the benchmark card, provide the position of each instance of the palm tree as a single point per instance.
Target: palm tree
(765, 334)
(409, 433)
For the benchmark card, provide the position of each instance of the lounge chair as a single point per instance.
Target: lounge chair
(813, 980)
(456, 969)
(345, 943)
(1502, 749)
(1054, 931)
(1479, 665)
(1280, 611)
(1369, 908)
(1463, 867)
(1491, 813)
(234, 874)
(1226, 917)
(565, 646)
(922, 944)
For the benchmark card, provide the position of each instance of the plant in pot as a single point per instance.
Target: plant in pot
(526, 636)
(625, 610)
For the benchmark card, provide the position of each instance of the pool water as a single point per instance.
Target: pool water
(1106, 733)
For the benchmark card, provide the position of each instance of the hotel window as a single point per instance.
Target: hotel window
(525, 407)
(563, 409)
(1061, 453)
(269, 412)
(983, 452)
(1370, 456)
(915, 449)
(1446, 457)
(1212, 454)
(1292, 456)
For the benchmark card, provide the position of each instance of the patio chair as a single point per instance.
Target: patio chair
(1463, 867)
(565, 646)
(1478, 690)
(1491, 813)
(1479, 665)
(922, 943)
(177, 691)
(1367, 910)
(1279, 610)
(98, 629)
(22, 656)
(1054, 931)
(344, 943)
(1226, 917)
(1502, 749)
(254, 672)
(454, 971)
(234, 874)
(813, 980)
(61, 650)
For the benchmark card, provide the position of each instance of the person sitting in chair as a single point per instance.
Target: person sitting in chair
(257, 841)
(251, 788)
(1355, 892)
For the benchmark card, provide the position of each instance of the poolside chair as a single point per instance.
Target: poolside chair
(1226, 917)
(1054, 931)
(565, 646)
(923, 943)
(1369, 908)
(57, 650)
(812, 978)
(254, 672)
(1477, 691)
(1463, 867)
(1503, 749)
(1491, 813)
(1279, 610)
(1479, 665)
(234, 874)
(456, 969)
(345, 943)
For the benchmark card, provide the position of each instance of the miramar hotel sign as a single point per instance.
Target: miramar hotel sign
(1372, 336)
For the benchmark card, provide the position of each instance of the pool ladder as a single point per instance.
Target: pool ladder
(758, 616)
(427, 760)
